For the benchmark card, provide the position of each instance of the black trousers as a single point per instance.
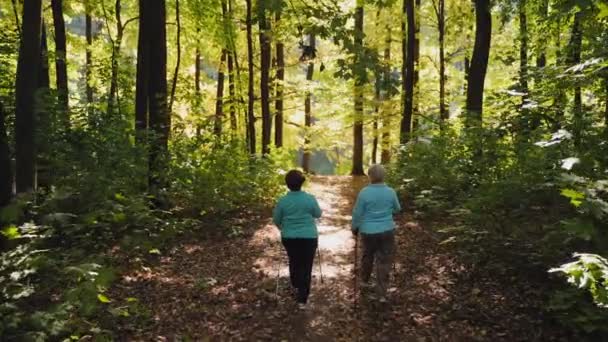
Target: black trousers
(301, 253)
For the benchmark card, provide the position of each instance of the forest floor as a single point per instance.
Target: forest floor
(223, 288)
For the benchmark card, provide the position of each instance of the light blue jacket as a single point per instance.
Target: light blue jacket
(295, 215)
(374, 209)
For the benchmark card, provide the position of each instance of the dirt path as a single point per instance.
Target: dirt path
(224, 289)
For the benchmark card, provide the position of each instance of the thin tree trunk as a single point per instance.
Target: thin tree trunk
(16, 13)
(114, 59)
(385, 155)
(219, 99)
(6, 174)
(377, 101)
(250, 87)
(575, 47)
(25, 96)
(265, 57)
(443, 112)
(416, 96)
(179, 58)
(479, 63)
(308, 110)
(408, 79)
(88, 58)
(43, 119)
(232, 95)
(142, 78)
(61, 59)
(197, 82)
(541, 59)
(523, 48)
(280, 77)
(357, 167)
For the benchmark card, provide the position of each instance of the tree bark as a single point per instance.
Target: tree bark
(479, 63)
(443, 112)
(16, 14)
(89, 58)
(25, 96)
(541, 59)
(6, 174)
(179, 58)
(357, 167)
(114, 58)
(197, 81)
(308, 110)
(408, 79)
(265, 76)
(142, 78)
(219, 99)
(250, 86)
(280, 77)
(61, 58)
(416, 96)
(231, 76)
(385, 154)
(523, 48)
(575, 47)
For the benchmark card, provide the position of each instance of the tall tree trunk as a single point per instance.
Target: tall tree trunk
(232, 95)
(443, 112)
(114, 59)
(479, 63)
(159, 116)
(25, 96)
(280, 77)
(408, 79)
(541, 59)
(575, 47)
(179, 58)
(416, 96)
(265, 76)
(6, 174)
(16, 14)
(308, 109)
(250, 86)
(88, 57)
(61, 58)
(357, 167)
(197, 82)
(385, 155)
(143, 75)
(219, 99)
(375, 128)
(523, 48)
(43, 119)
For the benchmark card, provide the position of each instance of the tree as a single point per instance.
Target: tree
(439, 7)
(479, 63)
(280, 77)
(6, 174)
(523, 48)
(408, 50)
(250, 85)
(357, 167)
(308, 108)
(25, 96)
(219, 105)
(265, 57)
(151, 88)
(61, 58)
(178, 40)
(89, 56)
(385, 154)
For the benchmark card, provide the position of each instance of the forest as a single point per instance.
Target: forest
(143, 144)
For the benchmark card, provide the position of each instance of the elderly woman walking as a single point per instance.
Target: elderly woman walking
(373, 217)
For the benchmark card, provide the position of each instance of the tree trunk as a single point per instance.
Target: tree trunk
(16, 14)
(219, 99)
(357, 167)
(197, 82)
(575, 47)
(114, 59)
(265, 76)
(43, 119)
(6, 174)
(25, 96)
(308, 110)
(541, 60)
(385, 155)
(143, 76)
(159, 116)
(408, 79)
(479, 63)
(280, 77)
(231, 81)
(88, 58)
(179, 58)
(416, 96)
(61, 58)
(250, 86)
(443, 112)
(375, 129)
(523, 48)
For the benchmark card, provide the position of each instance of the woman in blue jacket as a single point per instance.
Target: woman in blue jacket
(295, 215)
(373, 217)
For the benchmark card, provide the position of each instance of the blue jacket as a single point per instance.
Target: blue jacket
(374, 209)
(295, 215)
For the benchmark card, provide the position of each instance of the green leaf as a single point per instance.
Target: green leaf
(11, 232)
(574, 196)
(154, 251)
(102, 298)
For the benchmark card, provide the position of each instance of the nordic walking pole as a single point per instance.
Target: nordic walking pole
(355, 287)
(320, 262)
(276, 291)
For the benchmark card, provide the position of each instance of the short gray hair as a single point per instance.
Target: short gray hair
(376, 173)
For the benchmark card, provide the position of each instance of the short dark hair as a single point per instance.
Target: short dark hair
(294, 180)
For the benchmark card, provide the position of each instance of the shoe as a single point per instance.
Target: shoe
(302, 306)
(382, 300)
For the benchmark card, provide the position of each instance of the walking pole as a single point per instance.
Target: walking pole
(356, 284)
(276, 291)
(320, 262)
